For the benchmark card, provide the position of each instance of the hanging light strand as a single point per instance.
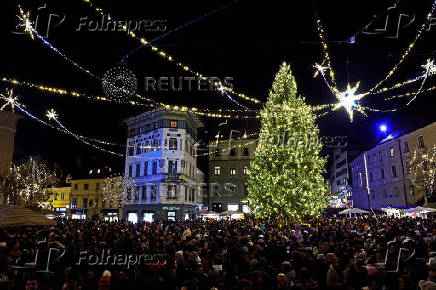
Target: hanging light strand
(163, 54)
(407, 51)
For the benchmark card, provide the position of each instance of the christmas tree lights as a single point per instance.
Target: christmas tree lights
(286, 181)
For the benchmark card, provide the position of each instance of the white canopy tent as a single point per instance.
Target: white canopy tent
(354, 211)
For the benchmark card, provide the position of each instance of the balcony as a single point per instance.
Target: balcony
(172, 176)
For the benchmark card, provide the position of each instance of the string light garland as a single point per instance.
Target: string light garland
(29, 29)
(66, 131)
(53, 116)
(179, 27)
(163, 54)
(408, 49)
(348, 99)
(118, 83)
(220, 113)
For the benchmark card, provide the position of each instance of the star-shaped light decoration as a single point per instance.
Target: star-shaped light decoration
(430, 67)
(26, 23)
(319, 69)
(350, 101)
(10, 100)
(51, 114)
(222, 89)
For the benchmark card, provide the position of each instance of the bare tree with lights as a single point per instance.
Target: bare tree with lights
(423, 169)
(118, 189)
(26, 184)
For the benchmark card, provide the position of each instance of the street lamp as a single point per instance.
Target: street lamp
(383, 128)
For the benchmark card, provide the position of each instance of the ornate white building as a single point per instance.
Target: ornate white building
(161, 160)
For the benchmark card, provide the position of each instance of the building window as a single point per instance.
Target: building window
(130, 170)
(155, 125)
(407, 167)
(153, 192)
(216, 190)
(74, 203)
(138, 149)
(360, 179)
(218, 152)
(96, 202)
(130, 150)
(75, 186)
(154, 167)
(145, 172)
(374, 158)
(406, 147)
(217, 170)
(138, 170)
(370, 177)
(144, 193)
(147, 128)
(421, 142)
(396, 191)
(173, 124)
(62, 196)
(233, 152)
(86, 186)
(232, 171)
(136, 193)
(245, 189)
(382, 173)
(97, 186)
(385, 193)
(391, 152)
(147, 146)
(172, 167)
(245, 170)
(85, 203)
(173, 143)
(379, 156)
(394, 171)
(217, 207)
(155, 145)
(171, 191)
(245, 151)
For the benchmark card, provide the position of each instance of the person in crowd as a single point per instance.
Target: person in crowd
(326, 253)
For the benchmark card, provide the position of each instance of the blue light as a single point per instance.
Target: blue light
(383, 128)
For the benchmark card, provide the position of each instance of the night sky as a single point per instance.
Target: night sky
(247, 40)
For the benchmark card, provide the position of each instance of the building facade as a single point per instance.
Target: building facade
(340, 177)
(60, 199)
(229, 169)
(87, 199)
(381, 175)
(161, 160)
(8, 123)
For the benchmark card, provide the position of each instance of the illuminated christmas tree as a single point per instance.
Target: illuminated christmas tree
(286, 181)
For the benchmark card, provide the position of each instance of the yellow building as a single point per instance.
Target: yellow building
(88, 200)
(60, 199)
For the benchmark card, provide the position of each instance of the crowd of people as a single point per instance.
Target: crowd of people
(328, 253)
